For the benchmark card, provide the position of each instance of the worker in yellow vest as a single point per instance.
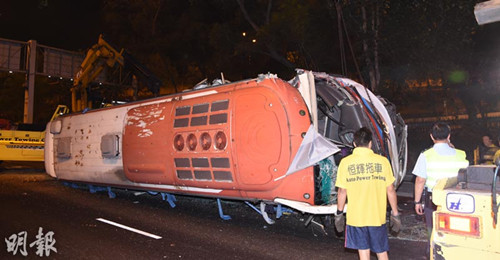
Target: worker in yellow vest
(440, 161)
(484, 152)
(496, 156)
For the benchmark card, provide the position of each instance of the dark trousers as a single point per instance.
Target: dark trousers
(429, 208)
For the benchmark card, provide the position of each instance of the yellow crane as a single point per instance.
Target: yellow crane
(103, 55)
(99, 56)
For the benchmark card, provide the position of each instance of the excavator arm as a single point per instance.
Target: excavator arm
(103, 55)
(100, 55)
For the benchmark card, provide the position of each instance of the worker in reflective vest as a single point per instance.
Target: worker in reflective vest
(440, 161)
(484, 153)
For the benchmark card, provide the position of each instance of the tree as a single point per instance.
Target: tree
(265, 34)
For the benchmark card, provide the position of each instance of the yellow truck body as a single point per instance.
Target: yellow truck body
(18, 145)
(463, 222)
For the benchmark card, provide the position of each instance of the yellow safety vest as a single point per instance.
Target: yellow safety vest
(485, 154)
(442, 166)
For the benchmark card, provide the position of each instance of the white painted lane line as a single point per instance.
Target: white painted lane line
(128, 228)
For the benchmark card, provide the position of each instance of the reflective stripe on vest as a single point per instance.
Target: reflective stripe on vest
(487, 155)
(443, 166)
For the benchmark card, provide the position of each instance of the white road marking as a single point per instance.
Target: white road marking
(128, 228)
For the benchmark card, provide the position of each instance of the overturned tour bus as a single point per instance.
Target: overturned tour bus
(264, 140)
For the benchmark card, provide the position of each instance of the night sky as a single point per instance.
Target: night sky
(76, 25)
(65, 24)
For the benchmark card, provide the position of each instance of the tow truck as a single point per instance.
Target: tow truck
(25, 143)
(465, 222)
(466, 218)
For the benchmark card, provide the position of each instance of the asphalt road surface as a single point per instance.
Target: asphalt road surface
(71, 222)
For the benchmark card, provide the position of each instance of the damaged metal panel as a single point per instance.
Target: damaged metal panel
(345, 106)
(145, 144)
